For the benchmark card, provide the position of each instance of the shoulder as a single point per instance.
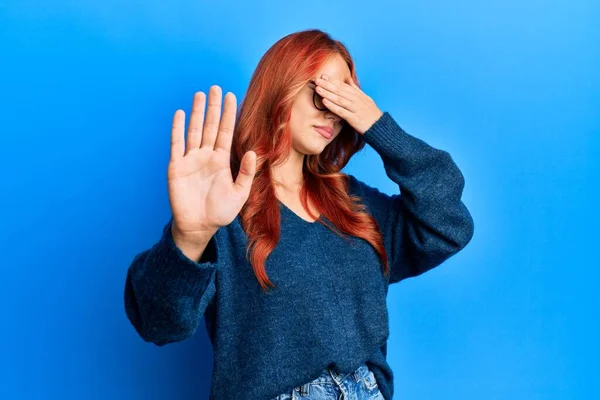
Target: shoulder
(355, 186)
(366, 191)
(382, 206)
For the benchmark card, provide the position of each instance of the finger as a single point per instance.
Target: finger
(227, 125)
(356, 91)
(177, 144)
(336, 109)
(194, 137)
(351, 82)
(343, 90)
(245, 177)
(213, 115)
(339, 100)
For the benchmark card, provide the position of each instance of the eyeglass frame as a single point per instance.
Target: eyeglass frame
(315, 94)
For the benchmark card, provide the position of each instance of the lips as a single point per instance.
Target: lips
(325, 131)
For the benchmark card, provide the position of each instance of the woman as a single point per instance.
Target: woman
(287, 258)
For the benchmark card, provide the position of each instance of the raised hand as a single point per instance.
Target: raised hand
(348, 101)
(202, 193)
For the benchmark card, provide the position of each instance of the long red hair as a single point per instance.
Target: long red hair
(262, 126)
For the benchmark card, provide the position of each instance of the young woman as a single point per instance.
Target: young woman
(286, 258)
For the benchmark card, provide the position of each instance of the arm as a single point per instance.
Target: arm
(167, 293)
(427, 222)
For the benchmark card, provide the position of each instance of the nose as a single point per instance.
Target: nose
(333, 117)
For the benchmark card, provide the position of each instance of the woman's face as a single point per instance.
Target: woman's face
(306, 139)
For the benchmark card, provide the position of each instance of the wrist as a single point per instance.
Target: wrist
(191, 239)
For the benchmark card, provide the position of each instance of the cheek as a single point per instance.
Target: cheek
(302, 119)
(298, 129)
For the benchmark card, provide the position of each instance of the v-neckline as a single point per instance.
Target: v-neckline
(290, 211)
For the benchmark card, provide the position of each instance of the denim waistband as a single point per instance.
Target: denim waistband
(329, 375)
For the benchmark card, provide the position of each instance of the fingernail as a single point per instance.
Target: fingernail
(324, 77)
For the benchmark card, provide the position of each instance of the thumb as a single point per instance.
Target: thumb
(247, 171)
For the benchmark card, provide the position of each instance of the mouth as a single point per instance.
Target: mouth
(325, 131)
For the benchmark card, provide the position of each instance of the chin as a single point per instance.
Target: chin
(313, 153)
(310, 146)
(313, 150)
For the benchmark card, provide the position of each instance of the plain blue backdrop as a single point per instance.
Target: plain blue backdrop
(510, 88)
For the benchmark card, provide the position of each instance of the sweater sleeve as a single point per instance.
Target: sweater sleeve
(427, 222)
(166, 293)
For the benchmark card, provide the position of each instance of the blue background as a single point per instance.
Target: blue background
(510, 88)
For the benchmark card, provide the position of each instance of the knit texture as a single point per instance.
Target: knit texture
(329, 307)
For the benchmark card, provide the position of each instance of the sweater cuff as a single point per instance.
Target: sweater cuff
(389, 139)
(187, 276)
(209, 256)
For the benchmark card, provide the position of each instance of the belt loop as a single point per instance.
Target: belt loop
(304, 389)
(334, 375)
(357, 374)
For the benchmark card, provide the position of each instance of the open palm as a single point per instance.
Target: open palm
(202, 193)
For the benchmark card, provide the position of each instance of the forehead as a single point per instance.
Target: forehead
(336, 68)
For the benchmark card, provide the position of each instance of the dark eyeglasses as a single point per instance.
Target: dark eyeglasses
(318, 101)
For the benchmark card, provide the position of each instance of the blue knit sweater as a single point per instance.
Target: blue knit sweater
(329, 307)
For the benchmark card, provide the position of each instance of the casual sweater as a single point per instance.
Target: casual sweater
(329, 307)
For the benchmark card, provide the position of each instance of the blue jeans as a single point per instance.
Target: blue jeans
(357, 385)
